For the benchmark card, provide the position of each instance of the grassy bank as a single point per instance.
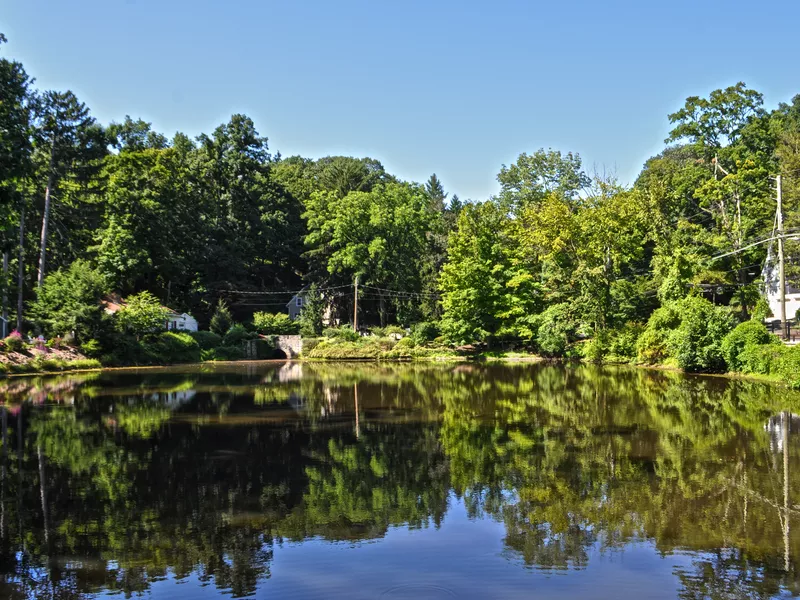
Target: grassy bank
(42, 365)
(386, 348)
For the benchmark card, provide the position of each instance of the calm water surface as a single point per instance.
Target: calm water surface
(281, 480)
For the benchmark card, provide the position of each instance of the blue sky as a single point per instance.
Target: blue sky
(456, 88)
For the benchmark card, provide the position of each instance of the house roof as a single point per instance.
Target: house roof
(301, 293)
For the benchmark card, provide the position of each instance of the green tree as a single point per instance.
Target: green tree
(69, 302)
(70, 144)
(152, 234)
(275, 324)
(313, 312)
(142, 314)
(222, 320)
(15, 129)
(135, 136)
(380, 236)
(533, 176)
(718, 120)
(253, 230)
(474, 278)
(16, 98)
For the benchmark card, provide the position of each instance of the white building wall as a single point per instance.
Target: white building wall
(182, 322)
(772, 291)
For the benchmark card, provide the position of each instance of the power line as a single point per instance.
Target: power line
(401, 292)
(286, 293)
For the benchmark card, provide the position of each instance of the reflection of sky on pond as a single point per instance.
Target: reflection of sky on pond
(465, 558)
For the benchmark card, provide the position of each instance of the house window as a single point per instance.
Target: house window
(299, 301)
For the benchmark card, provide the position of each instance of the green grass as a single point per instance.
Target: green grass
(49, 365)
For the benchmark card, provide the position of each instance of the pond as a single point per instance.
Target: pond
(304, 480)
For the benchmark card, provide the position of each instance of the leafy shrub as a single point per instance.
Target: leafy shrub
(424, 332)
(406, 342)
(221, 321)
(91, 348)
(313, 313)
(338, 349)
(224, 353)
(787, 365)
(597, 348)
(310, 343)
(622, 347)
(760, 360)
(761, 310)
(69, 301)
(275, 324)
(142, 314)
(697, 342)
(84, 363)
(343, 332)
(23, 367)
(14, 342)
(206, 339)
(747, 335)
(49, 365)
(171, 347)
(236, 335)
(56, 343)
(651, 347)
(121, 350)
(778, 360)
(389, 330)
(556, 330)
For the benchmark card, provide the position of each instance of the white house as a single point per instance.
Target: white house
(175, 321)
(772, 291)
(183, 321)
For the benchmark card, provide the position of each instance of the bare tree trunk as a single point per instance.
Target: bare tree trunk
(21, 267)
(45, 226)
(46, 217)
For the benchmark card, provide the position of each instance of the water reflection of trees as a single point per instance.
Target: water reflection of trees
(118, 490)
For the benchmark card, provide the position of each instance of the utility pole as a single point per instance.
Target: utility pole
(781, 263)
(355, 305)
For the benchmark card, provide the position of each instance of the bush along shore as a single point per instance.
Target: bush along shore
(559, 263)
(690, 334)
(694, 335)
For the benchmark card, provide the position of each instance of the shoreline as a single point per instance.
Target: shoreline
(480, 358)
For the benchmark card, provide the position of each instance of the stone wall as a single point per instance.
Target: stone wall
(291, 345)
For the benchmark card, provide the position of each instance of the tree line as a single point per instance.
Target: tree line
(558, 254)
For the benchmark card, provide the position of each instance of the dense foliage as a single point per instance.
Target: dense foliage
(560, 262)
